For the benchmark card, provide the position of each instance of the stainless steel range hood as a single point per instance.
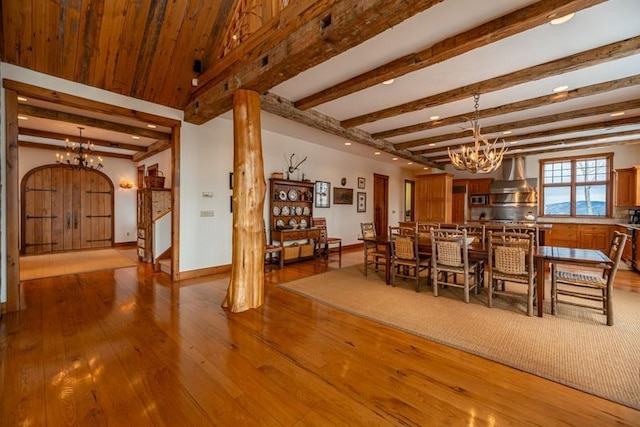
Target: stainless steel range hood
(513, 179)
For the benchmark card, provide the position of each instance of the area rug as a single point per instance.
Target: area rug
(51, 265)
(574, 348)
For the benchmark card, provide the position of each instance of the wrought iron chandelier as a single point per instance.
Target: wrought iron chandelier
(79, 156)
(482, 156)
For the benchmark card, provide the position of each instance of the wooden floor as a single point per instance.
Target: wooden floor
(125, 347)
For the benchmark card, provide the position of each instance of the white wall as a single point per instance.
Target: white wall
(163, 159)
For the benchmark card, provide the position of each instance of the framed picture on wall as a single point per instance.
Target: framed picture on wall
(361, 182)
(322, 190)
(361, 201)
(343, 196)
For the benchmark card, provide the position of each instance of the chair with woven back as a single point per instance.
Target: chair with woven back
(592, 285)
(450, 254)
(511, 261)
(406, 262)
(328, 244)
(374, 254)
(273, 250)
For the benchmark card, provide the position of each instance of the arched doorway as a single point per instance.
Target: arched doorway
(65, 209)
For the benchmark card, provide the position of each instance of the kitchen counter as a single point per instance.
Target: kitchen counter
(629, 226)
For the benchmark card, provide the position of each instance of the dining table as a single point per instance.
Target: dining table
(543, 256)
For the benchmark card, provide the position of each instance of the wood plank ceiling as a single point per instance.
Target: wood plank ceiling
(321, 63)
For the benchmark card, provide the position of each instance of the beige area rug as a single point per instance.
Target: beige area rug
(50, 265)
(574, 348)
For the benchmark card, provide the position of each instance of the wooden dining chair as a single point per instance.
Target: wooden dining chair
(273, 250)
(593, 285)
(328, 244)
(374, 255)
(406, 262)
(511, 261)
(450, 258)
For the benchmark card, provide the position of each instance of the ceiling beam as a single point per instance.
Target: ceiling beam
(505, 26)
(284, 108)
(44, 113)
(599, 55)
(520, 124)
(290, 44)
(29, 144)
(154, 148)
(526, 104)
(60, 98)
(567, 143)
(554, 132)
(63, 137)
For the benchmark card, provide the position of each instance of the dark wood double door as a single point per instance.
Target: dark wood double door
(65, 209)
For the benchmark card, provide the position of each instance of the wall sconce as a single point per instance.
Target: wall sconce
(127, 185)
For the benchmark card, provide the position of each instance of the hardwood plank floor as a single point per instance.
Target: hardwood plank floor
(128, 347)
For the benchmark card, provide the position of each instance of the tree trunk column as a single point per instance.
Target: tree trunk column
(246, 286)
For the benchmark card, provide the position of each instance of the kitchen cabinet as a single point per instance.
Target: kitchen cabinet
(480, 186)
(434, 197)
(627, 254)
(565, 235)
(585, 236)
(628, 186)
(459, 202)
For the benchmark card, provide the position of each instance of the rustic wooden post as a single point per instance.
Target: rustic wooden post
(246, 286)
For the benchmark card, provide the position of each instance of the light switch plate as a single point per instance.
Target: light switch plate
(207, 214)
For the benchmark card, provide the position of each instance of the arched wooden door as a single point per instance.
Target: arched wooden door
(65, 209)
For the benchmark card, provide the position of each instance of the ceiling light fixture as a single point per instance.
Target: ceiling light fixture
(377, 153)
(560, 88)
(23, 118)
(434, 117)
(150, 126)
(22, 99)
(78, 156)
(395, 158)
(347, 143)
(562, 19)
(388, 82)
(619, 113)
(482, 156)
(135, 137)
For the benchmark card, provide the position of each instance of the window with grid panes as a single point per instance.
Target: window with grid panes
(576, 187)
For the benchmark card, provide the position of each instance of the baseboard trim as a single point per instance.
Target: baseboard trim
(121, 245)
(209, 271)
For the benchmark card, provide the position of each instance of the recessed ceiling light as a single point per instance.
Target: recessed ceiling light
(347, 143)
(409, 163)
(395, 158)
(234, 37)
(377, 153)
(560, 88)
(432, 144)
(506, 132)
(514, 142)
(619, 113)
(388, 82)
(150, 126)
(562, 19)
(425, 168)
(22, 99)
(23, 118)
(135, 137)
(434, 117)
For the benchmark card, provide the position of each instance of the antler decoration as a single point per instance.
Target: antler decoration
(295, 168)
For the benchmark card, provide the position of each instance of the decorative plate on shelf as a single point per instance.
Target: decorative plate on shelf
(285, 210)
(293, 222)
(303, 223)
(283, 195)
(276, 211)
(280, 223)
(306, 210)
(298, 210)
(293, 195)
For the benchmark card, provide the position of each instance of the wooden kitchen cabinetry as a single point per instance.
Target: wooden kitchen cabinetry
(459, 201)
(585, 236)
(434, 197)
(290, 218)
(479, 187)
(565, 235)
(627, 254)
(152, 203)
(628, 186)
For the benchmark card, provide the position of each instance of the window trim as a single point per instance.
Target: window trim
(573, 184)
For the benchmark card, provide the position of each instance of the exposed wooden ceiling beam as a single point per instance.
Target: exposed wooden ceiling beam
(154, 148)
(554, 132)
(63, 137)
(60, 98)
(505, 26)
(290, 44)
(516, 106)
(536, 121)
(575, 62)
(60, 116)
(284, 108)
(563, 142)
(49, 147)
